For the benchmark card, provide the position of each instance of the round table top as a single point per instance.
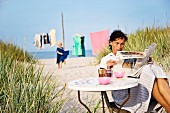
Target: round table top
(92, 84)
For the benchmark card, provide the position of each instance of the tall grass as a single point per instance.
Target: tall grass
(15, 51)
(22, 88)
(142, 38)
(145, 37)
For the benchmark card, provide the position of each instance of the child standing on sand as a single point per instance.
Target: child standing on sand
(61, 57)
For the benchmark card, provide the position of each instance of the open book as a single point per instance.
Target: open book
(131, 62)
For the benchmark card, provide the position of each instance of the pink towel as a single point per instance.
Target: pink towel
(99, 40)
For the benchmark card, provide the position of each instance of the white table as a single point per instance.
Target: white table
(92, 84)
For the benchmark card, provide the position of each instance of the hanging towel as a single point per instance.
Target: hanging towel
(78, 47)
(41, 42)
(46, 39)
(52, 35)
(99, 40)
(37, 40)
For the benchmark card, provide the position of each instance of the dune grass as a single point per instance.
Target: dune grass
(142, 38)
(16, 52)
(145, 37)
(22, 88)
(25, 89)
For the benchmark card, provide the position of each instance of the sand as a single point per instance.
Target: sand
(75, 68)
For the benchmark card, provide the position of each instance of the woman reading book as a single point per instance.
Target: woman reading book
(152, 81)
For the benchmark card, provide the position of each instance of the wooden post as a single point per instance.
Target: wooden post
(63, 30)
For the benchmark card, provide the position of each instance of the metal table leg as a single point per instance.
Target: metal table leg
(110, 104)
(82, 102)
(102, 94)
(125, 100)
(107, 101)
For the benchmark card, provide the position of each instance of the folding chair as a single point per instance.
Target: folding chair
(154, 106)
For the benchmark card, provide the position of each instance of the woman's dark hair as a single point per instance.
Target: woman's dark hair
(117, 34)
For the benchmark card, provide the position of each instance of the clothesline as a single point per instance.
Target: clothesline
(45, 38)
(99, 40)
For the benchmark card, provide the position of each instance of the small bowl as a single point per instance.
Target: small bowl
(104, 80)
(119, 75)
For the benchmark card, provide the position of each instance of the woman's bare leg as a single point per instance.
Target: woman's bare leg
(157, 95)
(164, 89)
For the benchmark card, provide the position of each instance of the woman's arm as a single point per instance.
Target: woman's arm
(107, 63)
(110, 63)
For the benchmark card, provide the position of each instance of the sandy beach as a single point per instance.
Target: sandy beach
(75, 68)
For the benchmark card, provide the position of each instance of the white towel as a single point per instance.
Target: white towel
(52, 35)
(37, 40)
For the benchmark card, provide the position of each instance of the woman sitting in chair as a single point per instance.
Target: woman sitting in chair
(152, 82)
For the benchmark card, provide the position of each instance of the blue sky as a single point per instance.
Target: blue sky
(19, 18)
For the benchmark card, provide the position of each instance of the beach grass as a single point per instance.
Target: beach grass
(22, 88)
(15, 51)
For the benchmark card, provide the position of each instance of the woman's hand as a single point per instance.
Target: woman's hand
(111, 63)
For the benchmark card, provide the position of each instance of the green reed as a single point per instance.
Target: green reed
(22, 87)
